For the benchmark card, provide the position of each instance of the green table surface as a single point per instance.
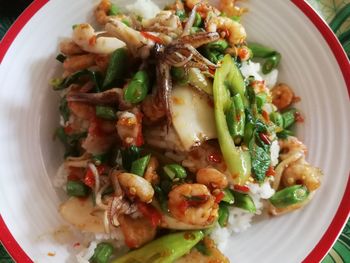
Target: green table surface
(328, 9)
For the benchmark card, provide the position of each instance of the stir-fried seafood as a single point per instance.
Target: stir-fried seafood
(172, 134)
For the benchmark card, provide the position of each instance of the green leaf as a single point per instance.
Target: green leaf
(260, 161)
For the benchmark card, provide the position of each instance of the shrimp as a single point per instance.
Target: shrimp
(289, 146)
(193, 204)
(69, 48)
(137, 231)
(164, 22)
(136, 186)
(101, 11)
(87, 39)
(282, 96)
(151, 171)
(236, 33)
(230, 9)
(212, 178)
(301, 172)
(78, 62)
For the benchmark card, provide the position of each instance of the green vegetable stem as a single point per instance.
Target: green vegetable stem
(228, 78)
(244, 201)
(288, 117)
(289, 196)
(163, 250)
(174, 171)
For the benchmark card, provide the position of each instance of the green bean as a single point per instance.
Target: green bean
(102, 253)
(219, 45)
(166, 249)
(174, 171)
(197, 20)
(106, 112)
(284, 134)
(235, 118)
(77, 188)
(223, 215)
(276, 118)
(271, 63)
(289, 196)
(60, 84)
(116, 67)
(139, 166)
(244, 201)
(98, 159)
(179, 74)
(138, 88)
(288, 117)
(181, 14)
(228, 196)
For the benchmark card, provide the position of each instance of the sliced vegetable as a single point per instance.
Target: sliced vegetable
(139, 166)
(175, 171)
(116, 67)
(165, 249)
(236, 118)
(197, 20)
(223, 215)
(197, 79)
(77, 188)
(260, 100)
(288, 117)
(276, 118)
(181, 14)
(64, 109)
(102, 253)
(284, 134)
(214, 51)
(289, 196)
(244, 201)
(178, 74)
(237, 160)
(138, 88)
(106, 112)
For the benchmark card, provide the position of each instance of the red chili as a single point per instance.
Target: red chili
(219, 197)
(212, 71)
(151, 213)
(183, 206)
(152, 37)
(75, 173)
(270, 171)
(214, 157)
(89, 178)
(68, 129)
(241, 188)
(298, 117)
(264, 138)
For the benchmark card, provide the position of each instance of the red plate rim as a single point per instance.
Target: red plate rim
(342, 214)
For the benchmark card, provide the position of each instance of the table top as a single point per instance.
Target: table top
(328, 9)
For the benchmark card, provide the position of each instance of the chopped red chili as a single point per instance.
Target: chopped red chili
(219, 197)
(151, 213)
(214, 157)
(270, 171)
(241, 188)
(152, 37)
(264, 138)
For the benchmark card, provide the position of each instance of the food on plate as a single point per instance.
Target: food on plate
(176, 133)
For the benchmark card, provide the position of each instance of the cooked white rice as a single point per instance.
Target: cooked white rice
(250, 68)
(144, 8)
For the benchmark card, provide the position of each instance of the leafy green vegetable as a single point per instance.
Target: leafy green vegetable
(261, 161)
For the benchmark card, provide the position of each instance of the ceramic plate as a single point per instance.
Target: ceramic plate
(313, 64)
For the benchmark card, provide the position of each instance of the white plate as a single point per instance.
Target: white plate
(28, 116)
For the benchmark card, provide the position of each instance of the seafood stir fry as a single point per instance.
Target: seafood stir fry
(165, 135)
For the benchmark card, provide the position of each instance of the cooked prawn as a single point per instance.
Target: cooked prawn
(282, 96)
(289, 146)
(87, 39)
(230, 9)
(301, 172)
(193, 204)
(101, 11)
(129, 127)
(69, 48)
(136, 186)
(78, 62)
(211, 177)
(236, 32)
